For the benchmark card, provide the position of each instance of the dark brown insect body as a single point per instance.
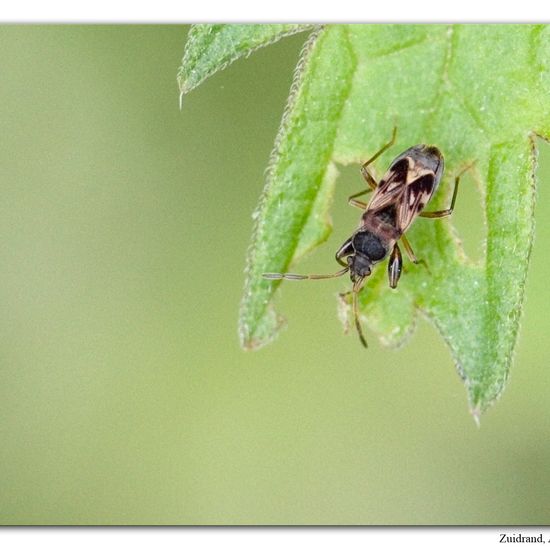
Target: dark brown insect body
(399, 197)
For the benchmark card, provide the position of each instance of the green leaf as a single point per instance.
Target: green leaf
(478, 92)
(210, 48)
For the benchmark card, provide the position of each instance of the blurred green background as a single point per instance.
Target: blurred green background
(124, 396)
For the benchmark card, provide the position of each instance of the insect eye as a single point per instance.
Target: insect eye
(360, 265)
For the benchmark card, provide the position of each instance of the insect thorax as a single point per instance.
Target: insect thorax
(368, 244)
(381, 231)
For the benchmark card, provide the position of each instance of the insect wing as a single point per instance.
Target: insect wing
(416, 195)
(391, 187)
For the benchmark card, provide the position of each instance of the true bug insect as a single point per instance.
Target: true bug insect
(399, 197)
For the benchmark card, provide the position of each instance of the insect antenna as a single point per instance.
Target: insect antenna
(296, 277)
(356, 288)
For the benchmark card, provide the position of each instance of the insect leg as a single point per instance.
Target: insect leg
(408, 249)
(355, 307)
(384, 148)
(365, 171)
(296, 277)
(356, 288)
(395, 266)
(447, 211)
(358, 204)
(345, 250)
(411, 254)
(369, 178)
